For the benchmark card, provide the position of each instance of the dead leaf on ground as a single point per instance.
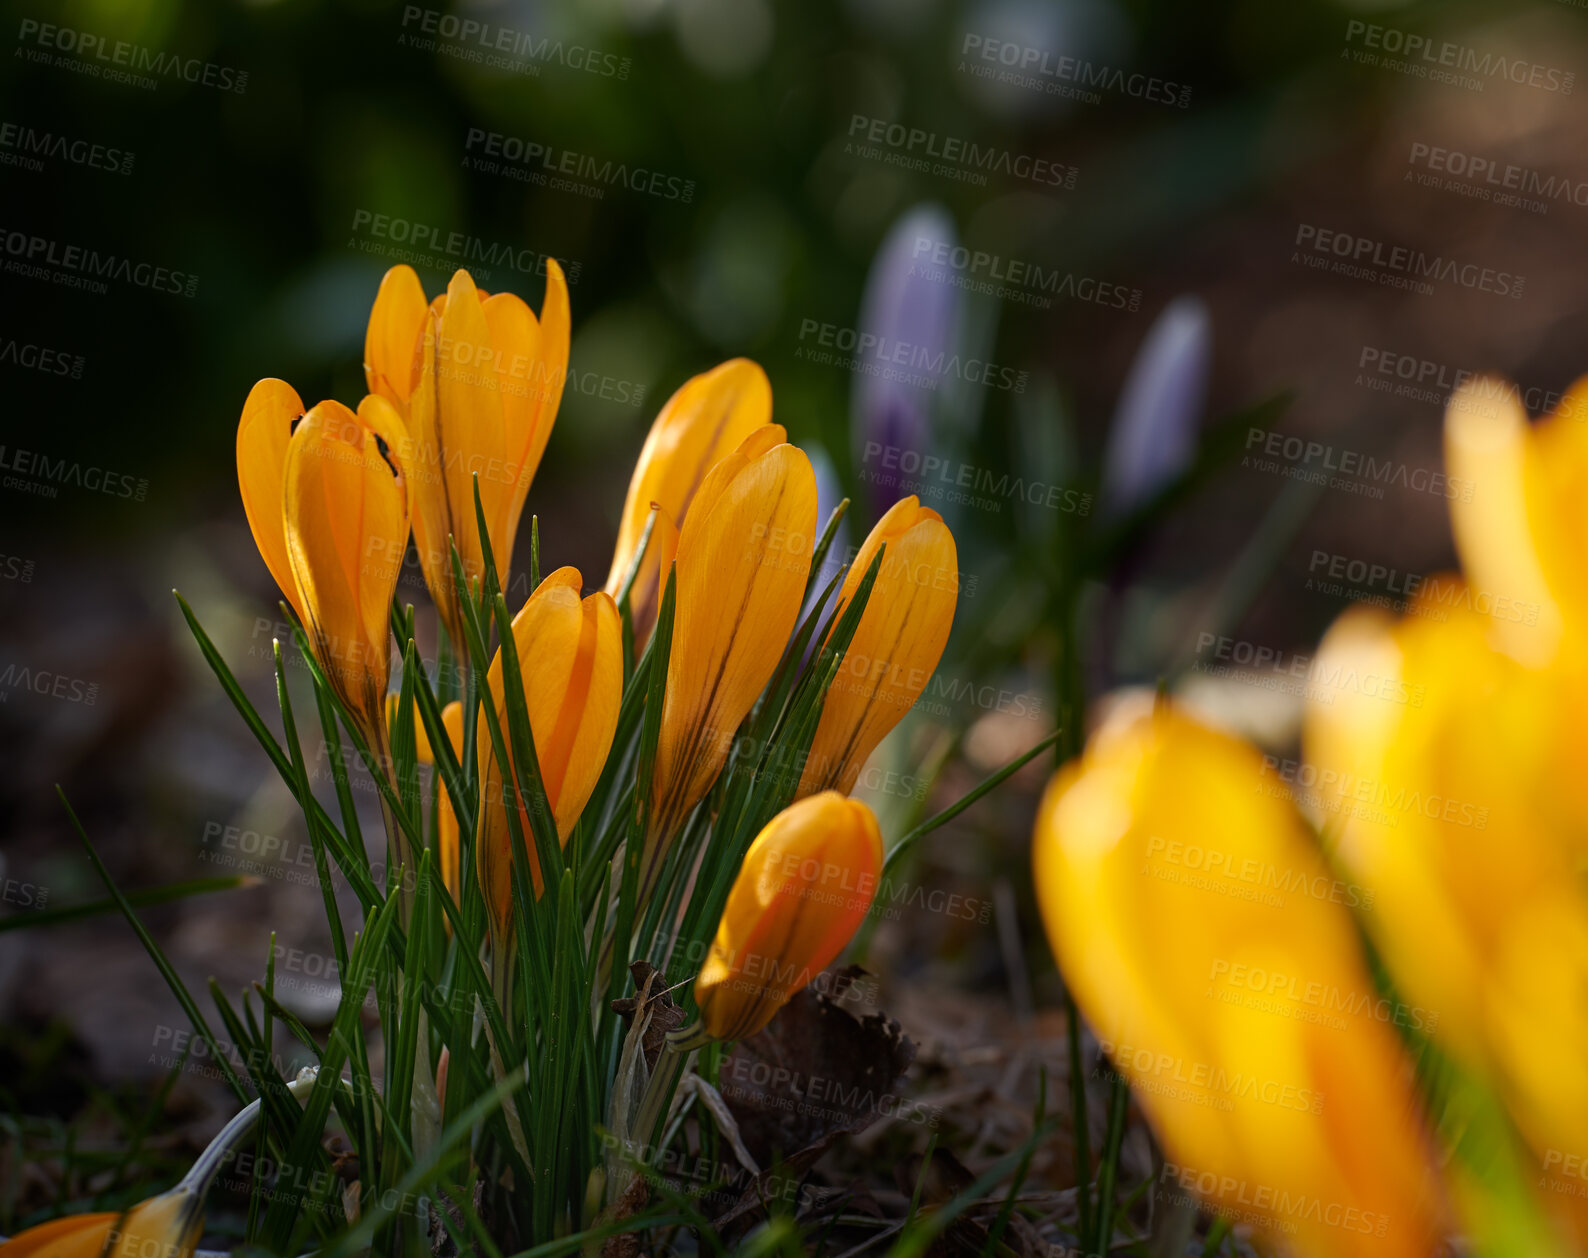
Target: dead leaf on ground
(815, 1071)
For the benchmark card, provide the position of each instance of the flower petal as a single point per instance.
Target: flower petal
(393, 339)
(700, 425)
(1487, 452)
(272, 409)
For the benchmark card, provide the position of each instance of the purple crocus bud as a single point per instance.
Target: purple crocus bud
(914, 319)
(1155, 426)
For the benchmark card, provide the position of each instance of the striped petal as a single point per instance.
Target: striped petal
(743, 557)
(701, 424)
(896, 646)
(807, 882)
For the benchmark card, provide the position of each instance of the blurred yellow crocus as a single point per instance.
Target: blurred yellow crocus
(478, 380)
(1464, 803)
(807, 882)
(1201, 935)
(701, 424)
(743, 558)
(1465, 814)
(571, 653)
(327, 501)
(1507, 519)
(896, 646)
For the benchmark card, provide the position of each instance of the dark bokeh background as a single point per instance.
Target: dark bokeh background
(260, 194)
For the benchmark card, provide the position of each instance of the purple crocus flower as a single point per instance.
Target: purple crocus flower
(915, 320)
(1155, 426)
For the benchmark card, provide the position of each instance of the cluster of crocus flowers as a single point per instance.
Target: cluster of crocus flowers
(807, 882)
(1252, 1033)
(742, 565)
(464, 390)
(1466, 812)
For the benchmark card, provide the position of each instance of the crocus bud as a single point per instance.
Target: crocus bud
(743, 556)
(701, 424)
(1454, 785)
(490, 378)
(570, 652)
(327, 503)
(905, 306)
(896, 646)
(1201, 936)
(1155, 428)
(807, 882)
(346, 528)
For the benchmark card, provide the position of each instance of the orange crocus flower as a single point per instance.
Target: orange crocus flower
(896, 646)
(743, 557)
(478, 379)
(571, 653)
(807, 882)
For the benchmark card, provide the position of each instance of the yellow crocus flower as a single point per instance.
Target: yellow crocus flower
(701, 424)
(327, 502)
(1457, 802)
(167, 1226)
(896, 646)
(743, 558)
(571, 654)
(807, 882)
(478, 380)
(1244, 1019)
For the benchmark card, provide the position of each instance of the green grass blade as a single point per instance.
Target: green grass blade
(138, 899)
(167, 970)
